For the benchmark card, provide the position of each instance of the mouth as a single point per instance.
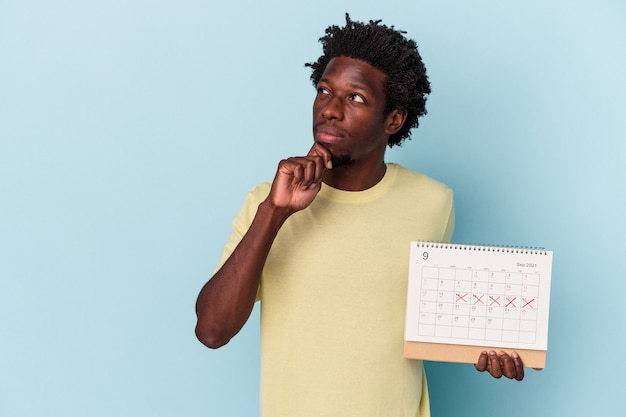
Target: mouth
(327, 134)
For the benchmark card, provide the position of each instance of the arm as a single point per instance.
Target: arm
(226, 301)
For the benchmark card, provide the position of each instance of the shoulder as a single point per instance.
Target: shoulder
(258, 193)
(251, 202)
(424, 203)
(406, 178)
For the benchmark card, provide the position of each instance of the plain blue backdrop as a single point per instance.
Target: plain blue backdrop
(130, 131)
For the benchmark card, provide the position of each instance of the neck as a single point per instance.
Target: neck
(355, 178)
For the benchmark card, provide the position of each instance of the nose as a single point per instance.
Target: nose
(333, 109)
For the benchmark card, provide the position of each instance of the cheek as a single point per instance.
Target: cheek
(320, 101)
(370, 123)
(317, 107)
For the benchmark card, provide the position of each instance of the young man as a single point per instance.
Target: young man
(325, 245)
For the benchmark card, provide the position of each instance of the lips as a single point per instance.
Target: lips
(328, 134)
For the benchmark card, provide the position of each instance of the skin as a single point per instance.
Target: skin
(349, 124)
(349, 120)
(501, 364)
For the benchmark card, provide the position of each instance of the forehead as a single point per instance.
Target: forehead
(354, 72)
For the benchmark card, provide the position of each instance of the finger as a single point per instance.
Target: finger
(291, 168)
(507, 365)
(323, 158)
(301, 170)
(519, 366)
(481, 364)
(321, 151)
(291, 175)
(312, 172)
(495, 368)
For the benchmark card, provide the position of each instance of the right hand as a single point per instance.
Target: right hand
(299, 179)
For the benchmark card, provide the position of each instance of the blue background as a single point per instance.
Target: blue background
(130, 131)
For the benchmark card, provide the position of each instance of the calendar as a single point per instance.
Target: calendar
(464, 299)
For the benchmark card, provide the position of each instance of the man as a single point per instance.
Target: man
(325, 245)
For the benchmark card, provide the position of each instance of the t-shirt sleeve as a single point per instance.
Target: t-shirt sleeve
(447, 236)
(243, 219)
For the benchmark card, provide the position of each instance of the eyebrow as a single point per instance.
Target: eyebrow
(356, 86)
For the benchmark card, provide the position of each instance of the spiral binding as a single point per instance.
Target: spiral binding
(527, 250)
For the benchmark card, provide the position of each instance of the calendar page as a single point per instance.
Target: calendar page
(463, 299)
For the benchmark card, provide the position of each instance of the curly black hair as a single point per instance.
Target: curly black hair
(387, 49)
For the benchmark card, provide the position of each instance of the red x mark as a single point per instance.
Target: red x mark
(460, 297)
(527, 302)
(494, 300)
(478, 299)
(510, 301)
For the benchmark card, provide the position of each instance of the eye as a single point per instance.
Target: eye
(357, 98)
(322, 90)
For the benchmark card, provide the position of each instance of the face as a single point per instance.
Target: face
(348, 111)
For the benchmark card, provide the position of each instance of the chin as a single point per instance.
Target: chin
(342, 161)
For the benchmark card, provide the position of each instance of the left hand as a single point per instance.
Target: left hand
(501, 364)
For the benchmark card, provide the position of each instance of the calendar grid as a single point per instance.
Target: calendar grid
(494, 306)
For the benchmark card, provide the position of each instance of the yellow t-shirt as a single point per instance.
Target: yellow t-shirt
(333, 298)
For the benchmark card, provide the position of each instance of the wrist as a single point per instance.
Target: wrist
(273, 213)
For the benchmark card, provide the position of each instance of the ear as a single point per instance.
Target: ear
(394, 121)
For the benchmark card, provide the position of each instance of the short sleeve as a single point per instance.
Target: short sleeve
(243, 219)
